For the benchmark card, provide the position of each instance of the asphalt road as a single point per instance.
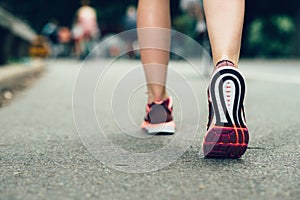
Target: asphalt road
(43, 157)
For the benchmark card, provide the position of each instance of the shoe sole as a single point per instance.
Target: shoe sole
(167, 128)
(229, 137)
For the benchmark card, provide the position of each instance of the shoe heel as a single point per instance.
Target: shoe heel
(229, 137)
(226, 142)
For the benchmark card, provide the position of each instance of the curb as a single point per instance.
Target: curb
(13, 75)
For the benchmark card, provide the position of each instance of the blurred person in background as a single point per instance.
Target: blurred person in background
(192, 22)
(130, 18)
(227, 134)
(64, 38)
(130, 24)
(58, 37)
(85, 29)
(50, 30)
(194, 8)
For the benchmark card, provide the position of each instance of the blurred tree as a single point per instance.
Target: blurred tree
(271, 29)
(271, 37)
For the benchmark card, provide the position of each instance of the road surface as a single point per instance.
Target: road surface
(43, 157)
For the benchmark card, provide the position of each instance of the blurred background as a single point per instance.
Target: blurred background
(48, 28)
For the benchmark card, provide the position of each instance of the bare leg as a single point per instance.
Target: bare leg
(198, 11)
(77, 49)
(226, 109)
(224, 23)
(154, 13)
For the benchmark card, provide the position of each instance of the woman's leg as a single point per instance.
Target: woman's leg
(154, 14)
(224, 21)
(227, 85)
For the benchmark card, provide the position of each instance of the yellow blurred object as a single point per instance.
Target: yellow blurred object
(39, 47)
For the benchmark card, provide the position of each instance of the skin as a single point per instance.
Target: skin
(224, 20)
(155, 61)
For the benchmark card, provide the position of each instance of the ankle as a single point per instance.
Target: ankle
(157, 98)
(225, 62)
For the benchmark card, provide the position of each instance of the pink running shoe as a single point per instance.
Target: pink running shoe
(158, 119)
(227, 134)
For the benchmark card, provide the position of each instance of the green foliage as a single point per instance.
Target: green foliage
(185, 24)
(271, 37)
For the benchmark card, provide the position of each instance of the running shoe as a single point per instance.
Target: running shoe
(227, 134)
(158, 119)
